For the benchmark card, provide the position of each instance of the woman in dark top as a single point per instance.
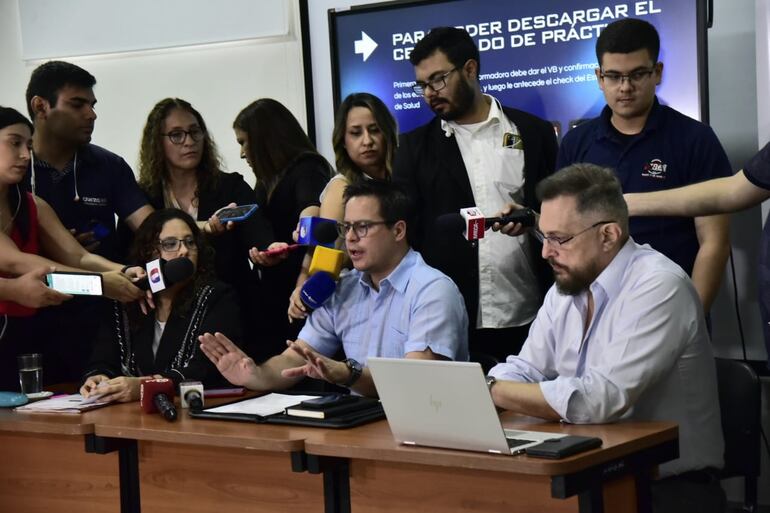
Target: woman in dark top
(164, 343)
(181, 168)
(365, 138)
(290, 177)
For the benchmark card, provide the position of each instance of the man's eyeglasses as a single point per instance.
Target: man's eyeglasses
(634, 78)
(179, 136)
(437, 84)
(171, 244)
(360, 228)
(560, 241)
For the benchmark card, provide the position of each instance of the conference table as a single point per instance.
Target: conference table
(119, 459)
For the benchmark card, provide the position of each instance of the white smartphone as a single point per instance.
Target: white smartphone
(81, 284)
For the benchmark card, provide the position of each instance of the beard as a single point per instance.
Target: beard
(575, 281)
(460, 104)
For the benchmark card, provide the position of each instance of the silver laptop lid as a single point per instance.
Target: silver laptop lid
(438, 403)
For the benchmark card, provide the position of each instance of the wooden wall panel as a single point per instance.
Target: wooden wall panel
(53, 474)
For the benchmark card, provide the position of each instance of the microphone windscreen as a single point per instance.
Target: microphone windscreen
(326, 260)
(149, 388)
(177, 270)
(317, 289)
(325, 232)
(450, 224)
(307, 231)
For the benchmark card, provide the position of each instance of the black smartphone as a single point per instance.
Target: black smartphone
(235, 214)
(556, 448)
(327, 401)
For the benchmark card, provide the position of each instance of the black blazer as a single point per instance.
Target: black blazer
(124, 348)
(430, 166)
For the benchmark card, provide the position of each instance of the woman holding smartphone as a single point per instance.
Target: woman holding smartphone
(31, 238)
(180, 168)
(164, 343)
(290, 177)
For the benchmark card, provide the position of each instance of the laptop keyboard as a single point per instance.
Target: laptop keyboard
(515, 442)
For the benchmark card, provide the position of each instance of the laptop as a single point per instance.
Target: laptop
(445, 404)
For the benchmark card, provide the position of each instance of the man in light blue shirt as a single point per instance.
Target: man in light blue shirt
(621, 334)
(392, 304)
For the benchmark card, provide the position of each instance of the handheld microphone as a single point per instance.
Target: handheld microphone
(191, 393)
(326, 233)
(156, 395)
(321, 233)
(309, 230)
(327, 260)
(317, 289)
(473, 225)
(166, 274)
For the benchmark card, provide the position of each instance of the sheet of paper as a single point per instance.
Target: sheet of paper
(265, 405)
(74, 403)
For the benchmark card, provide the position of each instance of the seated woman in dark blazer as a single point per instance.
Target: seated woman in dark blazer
(180, 167)
(164, 343)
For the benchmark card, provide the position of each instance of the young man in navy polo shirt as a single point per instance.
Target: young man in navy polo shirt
(653, 147)
(87, 186)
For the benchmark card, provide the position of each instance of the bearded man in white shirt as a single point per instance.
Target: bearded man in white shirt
(621, 335)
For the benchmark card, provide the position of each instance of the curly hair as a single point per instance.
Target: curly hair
(145, 249)
(152, 158)
(385, 122)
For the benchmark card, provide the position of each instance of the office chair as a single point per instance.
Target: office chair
(740, 399)
(487, 361)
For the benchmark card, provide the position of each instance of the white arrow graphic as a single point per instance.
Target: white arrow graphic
(365, 46)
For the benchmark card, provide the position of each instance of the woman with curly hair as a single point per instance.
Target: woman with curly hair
(132, 346)
(181, 168)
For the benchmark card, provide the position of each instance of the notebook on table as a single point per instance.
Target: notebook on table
(445, 404)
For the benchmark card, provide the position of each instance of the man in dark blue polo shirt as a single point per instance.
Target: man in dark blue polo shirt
(87, 186)
(653, 147)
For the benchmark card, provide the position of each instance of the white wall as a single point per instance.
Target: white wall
(218, 79)
(734, 117)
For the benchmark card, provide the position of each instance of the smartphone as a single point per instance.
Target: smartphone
(80, 284)
(556, 448)
(98, 229)
(327, 401)
(223, 392)
(282, 250)
(235, 214)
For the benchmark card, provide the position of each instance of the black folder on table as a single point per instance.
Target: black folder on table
(369, 411)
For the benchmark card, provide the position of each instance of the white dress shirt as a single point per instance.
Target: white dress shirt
(508, 289)
(646, 355)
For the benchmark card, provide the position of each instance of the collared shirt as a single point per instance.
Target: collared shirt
(417, 307)
(508, 289)
(672, 150)
(645, 355)
(105, 187)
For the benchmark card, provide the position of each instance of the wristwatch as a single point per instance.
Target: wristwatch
(355, 372)
(491, 380)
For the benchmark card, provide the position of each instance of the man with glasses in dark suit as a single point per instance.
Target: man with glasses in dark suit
(476, 153)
